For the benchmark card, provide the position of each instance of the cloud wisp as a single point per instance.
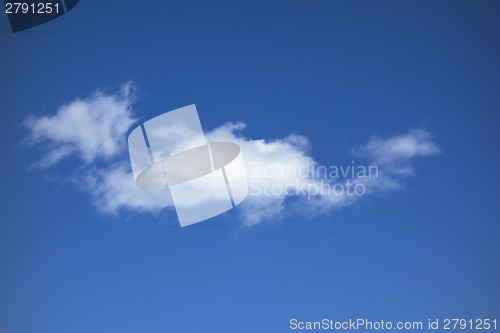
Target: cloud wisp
(89, 128)
(283, 177)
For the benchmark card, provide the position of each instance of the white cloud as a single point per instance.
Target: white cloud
(279, 164)
(113, 189)
(89, 128)
(394, 153)
(95, 128)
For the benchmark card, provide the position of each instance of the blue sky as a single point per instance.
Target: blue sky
(337, 73)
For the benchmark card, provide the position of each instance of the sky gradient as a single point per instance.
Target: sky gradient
(338, 73)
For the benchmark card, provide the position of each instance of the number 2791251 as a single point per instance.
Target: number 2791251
(31, 8)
